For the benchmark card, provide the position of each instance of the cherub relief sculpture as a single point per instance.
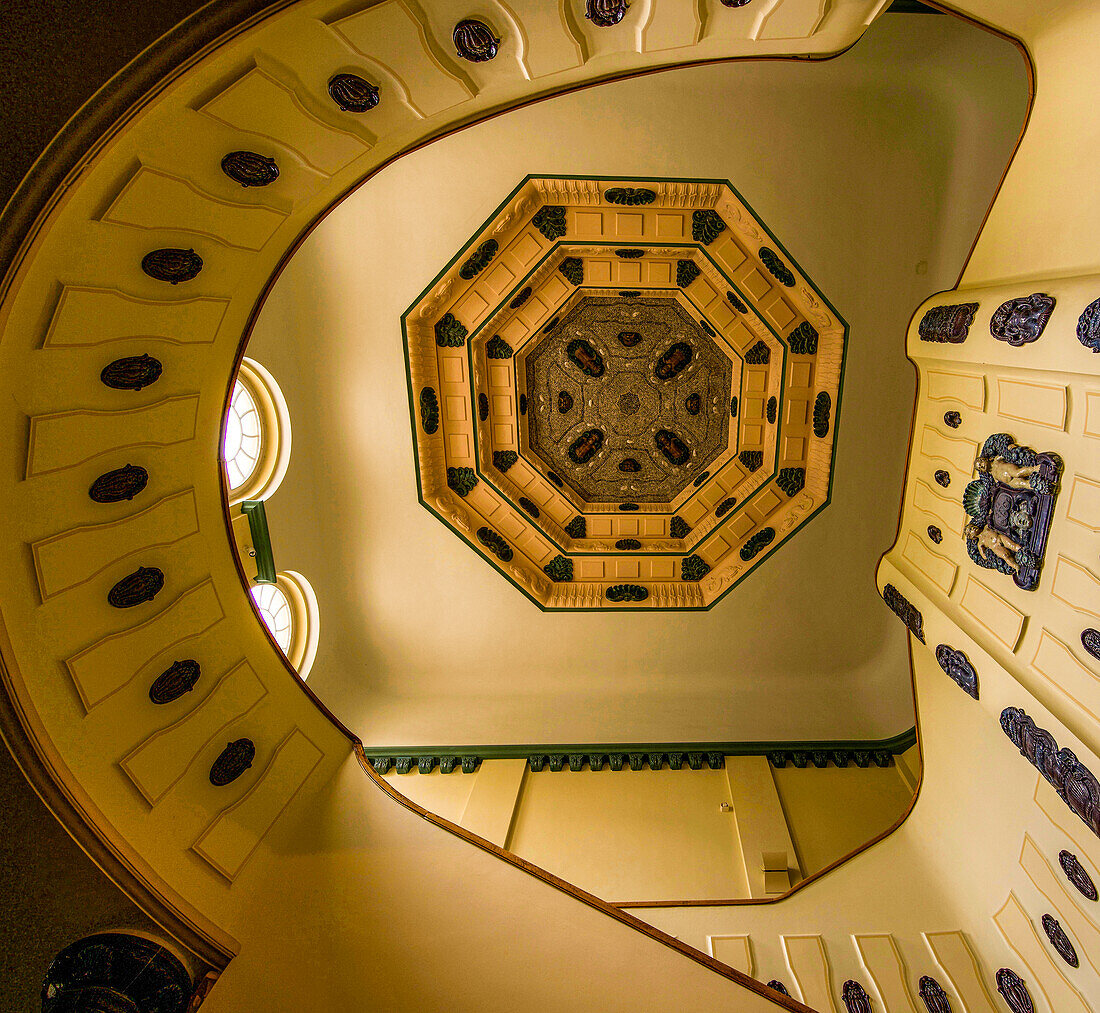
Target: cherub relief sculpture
(1012, 475)
(1011, 505)
(1000, 545)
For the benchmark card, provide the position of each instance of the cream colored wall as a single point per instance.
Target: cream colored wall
(838, 180)
(632, 836)
(301, 855)
(834, 810)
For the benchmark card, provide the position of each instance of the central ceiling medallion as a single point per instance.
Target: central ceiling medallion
(624, 403)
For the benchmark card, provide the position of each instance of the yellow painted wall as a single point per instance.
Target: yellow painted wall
(833, 810)
(632, 835)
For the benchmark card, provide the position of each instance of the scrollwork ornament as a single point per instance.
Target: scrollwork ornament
(957, 667)
(1088, 326)
(605, 13)
(1021, 321)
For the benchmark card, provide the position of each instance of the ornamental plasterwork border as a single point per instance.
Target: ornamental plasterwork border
(778, 302)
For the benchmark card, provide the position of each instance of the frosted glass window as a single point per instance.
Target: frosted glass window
(275, 611)
(243, 437)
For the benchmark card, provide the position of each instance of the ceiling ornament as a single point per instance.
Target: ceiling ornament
(629, 386)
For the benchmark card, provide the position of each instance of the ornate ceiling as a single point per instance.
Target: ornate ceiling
(624, 392)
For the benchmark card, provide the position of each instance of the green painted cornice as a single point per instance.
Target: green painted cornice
(637, 756)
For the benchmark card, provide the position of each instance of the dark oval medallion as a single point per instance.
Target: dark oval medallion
(693, 404)
(585, 446)
(605, 13)
(474, 41)
(700, 479)
(775, 985)
(139, 587)
(626, 592)
(429, 410)
(521, 297)
(673, 362)
(250, 169)
(770, 412)
(823, 405)
(629, 506)
(675, 449)
(122, 483)
(952, 419)
(585, 357)
(172, 265)
(935, 998)
(1014, 991)
(352, 94)
(565, 402)
(233, 761)
(528, 506)
(1090, 641)
(738, 3)
(482, 406)
(943, 478)
(1060, 941)
(935, 534)
(555, 478)
(628, 339)
(175, 681)
(725, 506)
(629, 465)
(1076, 874)
(131, 373)
(737, 303)
(628, 544)
(856, 999)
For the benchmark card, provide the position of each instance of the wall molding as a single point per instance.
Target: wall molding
(639, 756)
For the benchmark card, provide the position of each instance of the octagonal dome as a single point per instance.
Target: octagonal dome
(623, 392)
(628, 399)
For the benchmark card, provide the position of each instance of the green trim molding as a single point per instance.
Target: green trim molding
(637, 756)
(261, 540)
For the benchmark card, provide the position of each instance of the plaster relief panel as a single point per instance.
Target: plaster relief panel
(598, 385)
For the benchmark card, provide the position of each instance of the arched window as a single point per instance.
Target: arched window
(289, 610)
(256, 448)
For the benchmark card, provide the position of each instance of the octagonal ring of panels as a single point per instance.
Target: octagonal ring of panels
(624, 392)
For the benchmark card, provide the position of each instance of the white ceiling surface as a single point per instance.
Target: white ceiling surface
(865, 167)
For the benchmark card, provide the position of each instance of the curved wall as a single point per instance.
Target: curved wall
(301, 855)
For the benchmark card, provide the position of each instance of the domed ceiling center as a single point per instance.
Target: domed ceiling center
(634, 420)
(623, 392)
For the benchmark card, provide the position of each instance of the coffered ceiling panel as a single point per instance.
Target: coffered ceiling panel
(623, 392)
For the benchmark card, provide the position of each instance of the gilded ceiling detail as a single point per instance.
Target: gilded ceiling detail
(624, 394)
(655, 414)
